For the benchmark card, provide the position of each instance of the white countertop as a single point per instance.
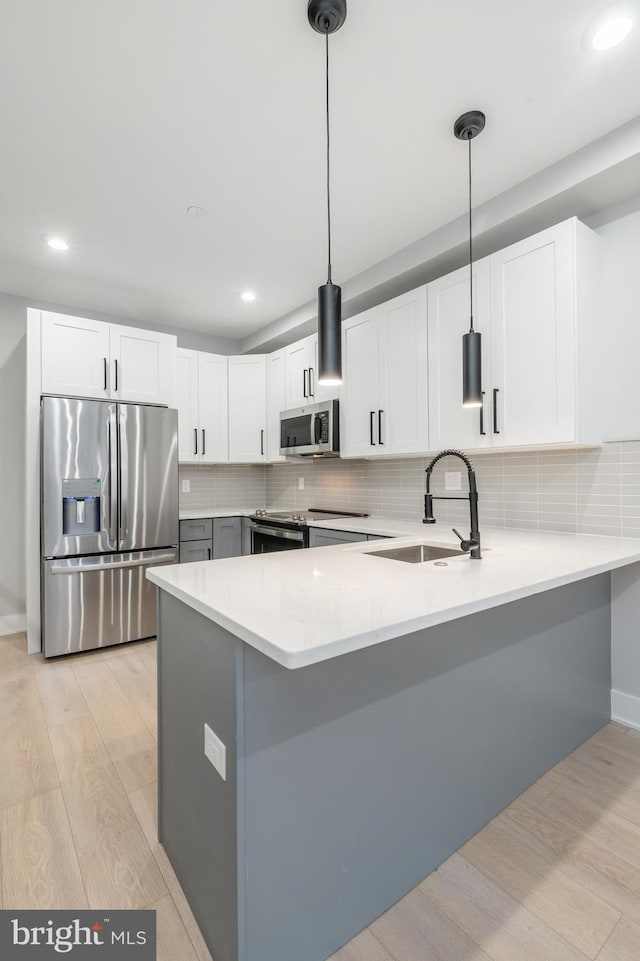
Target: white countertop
(301, 607)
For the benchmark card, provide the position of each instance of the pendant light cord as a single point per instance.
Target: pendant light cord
(328, 169)
(469, 136)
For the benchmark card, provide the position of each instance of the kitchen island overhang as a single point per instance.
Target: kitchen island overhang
(349, 779)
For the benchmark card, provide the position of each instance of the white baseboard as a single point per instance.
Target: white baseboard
(625, 708)
(12, 624)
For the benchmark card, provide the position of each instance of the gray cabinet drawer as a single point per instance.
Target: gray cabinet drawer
(196, 530)
(195, 551)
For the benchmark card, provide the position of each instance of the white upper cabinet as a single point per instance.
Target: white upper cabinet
(359, 393)
(186, 401)
(142, 363)
(247, 409)
(201, 399)
(451, 424)
(299, 372)
(384, 390)
(533, 339)
(319, 393)
(88, 358)
(538, 308)
(301, 375)
(276, 402)
(403, 372)
(213, 406)
(75, 356)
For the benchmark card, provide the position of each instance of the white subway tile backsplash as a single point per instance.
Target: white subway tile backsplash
(588, 491)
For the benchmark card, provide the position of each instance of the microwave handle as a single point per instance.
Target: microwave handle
(317, 428)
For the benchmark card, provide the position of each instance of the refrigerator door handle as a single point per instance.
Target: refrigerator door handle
(123, 483)
(114, 565)
(113, 474)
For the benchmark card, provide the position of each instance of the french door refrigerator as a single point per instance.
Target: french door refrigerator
(109, 511)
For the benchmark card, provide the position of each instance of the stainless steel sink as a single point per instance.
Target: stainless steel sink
(416, 554)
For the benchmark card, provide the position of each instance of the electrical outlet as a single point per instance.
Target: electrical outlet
(301, 483)
(215, 751)
(186, 486)
(452, 480)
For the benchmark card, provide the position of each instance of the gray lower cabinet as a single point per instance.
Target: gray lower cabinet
(210, 538)
(321, 537)
(227, 537)
(196, 551)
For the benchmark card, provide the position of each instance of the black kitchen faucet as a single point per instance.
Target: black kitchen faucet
(471, 546)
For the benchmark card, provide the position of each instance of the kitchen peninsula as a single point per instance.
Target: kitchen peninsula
(368, 716)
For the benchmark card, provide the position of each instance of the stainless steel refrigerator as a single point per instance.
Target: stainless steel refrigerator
(109, 511)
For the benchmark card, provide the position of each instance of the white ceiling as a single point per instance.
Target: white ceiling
(117, 116)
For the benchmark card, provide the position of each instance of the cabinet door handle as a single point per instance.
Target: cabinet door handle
(372, 415)
(496, 391)
(203, 447)
(312, 386)
(208, 553)
(380, 440)
(482, 430)
(115, 363)
(105, 373)
(304, 383)
(195, 436)
(261, 443)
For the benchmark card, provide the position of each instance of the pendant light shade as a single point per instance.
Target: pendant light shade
(327, 16)
(329, 335)
(472, 369)
(466, 127)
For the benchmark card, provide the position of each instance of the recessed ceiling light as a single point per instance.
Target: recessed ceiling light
(610, 32)
(248, 296)
(195, 212)
(56, 243)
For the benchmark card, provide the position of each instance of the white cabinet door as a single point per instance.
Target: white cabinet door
(402, 414)
(75, 356)
(298, 360)
(142, 365)
(276, 402)
(186, 401)
(247, 409)
(319, 393)
(533, 352)
(451, 424)
(359, 392)
(213, 407)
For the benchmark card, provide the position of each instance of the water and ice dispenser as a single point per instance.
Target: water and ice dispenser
(81, 506)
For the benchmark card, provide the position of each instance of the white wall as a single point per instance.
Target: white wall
(13, 325)
(12, 421)
(620, 341)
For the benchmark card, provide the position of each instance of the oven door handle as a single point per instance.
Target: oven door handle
(279, 532)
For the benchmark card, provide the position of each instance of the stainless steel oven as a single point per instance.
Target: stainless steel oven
(311, 431)
(267, 538)
(287, 530)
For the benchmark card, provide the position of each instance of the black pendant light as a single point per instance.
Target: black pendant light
(327, 16)
(466, 127)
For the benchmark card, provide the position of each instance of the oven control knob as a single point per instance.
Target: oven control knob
(298, 517)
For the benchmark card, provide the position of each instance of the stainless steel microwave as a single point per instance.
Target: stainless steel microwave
(309, 431)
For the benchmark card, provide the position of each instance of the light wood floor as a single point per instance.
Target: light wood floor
(555, 877)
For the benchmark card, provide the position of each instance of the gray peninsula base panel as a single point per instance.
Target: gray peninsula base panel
(348, 781)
